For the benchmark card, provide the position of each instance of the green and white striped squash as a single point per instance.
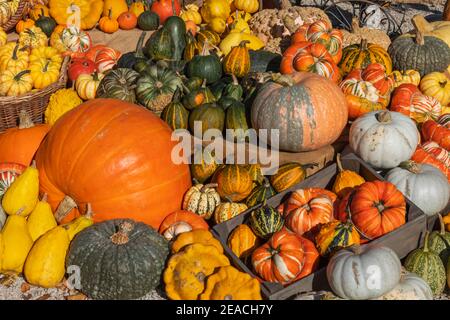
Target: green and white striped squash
(175, 114)
(228, 210)
(202, 200)
(265, 221)
(119, 84)
(260, 194)
(428, 265)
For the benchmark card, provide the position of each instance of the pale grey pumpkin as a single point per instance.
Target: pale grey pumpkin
(202, 200)
(384, 139)
(410, 287)
(367, 275)
(423, 184)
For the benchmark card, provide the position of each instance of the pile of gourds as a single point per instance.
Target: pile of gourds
(8, 8)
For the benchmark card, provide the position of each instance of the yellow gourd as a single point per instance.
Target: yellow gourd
(346, 180)
(48, 53)
(45, 264)
(228, 283)
(12, 56)
(217, 25)
(79, 224)
(22, 196)
(215, 9)
(117, 7)
(239, 25)
(191, 13)
(60, 102)
(90, 11)
(33, 37)
(233, 39)
(196, 236)
(15, 82)
(37, 11)
(41, 219)
(16, 244)
(3, 37)
(43, 73)
(137, 8)
(250, 6)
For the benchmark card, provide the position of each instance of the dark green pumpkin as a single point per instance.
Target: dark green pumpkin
(141, 65)
(175, 114)
(264, 61)
(177, 28)
(206, 66)
(439, 242)
(193, 83)
(233, 89)
(428, 265)
(156, 86)
(129, 59)
(260, 194)
(425, 54)
(225, 102)
(118, 259)
(236, 120)
(197, 97)
(265, 221)
(160, 46)
(210, 115)
(217, 88)
(148, 20)
(119, 84)
(47, 24)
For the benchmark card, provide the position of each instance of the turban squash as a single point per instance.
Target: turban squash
(116, 156)
(431, 153)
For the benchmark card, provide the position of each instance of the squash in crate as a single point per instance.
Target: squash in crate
(355, 283)
(233, 182)
(396, 138)
(287, 176)
(260, 194)
(179, 222)
(265, 221)
(228, 210)
(408, 100)
(423, 184)
(33, 37)
(285, 258)
(44, 73)
(195, 236)
(187, 271)
(345, 180)
(359, 56)
(439, 242)
(375, 208)
(428, 265)
(307, 209)
(242, 241)
(336, 235)
(295, 94)
(118, 84)
(228, 283)
(89, 10)
(147, 248)
(14, 56)
(202, 200)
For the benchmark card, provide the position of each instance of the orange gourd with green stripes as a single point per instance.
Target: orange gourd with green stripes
(237, 61)
(288, 175)
(336, 235)
(234, 182)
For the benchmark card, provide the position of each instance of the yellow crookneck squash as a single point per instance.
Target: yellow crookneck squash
(233, 39)
(41, 219)
(65, 12)
(15, 82)
(16, 243)
(186, 272)
(228, 283)
(79, 224)
(22, 196)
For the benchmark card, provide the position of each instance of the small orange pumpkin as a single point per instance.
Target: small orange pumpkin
(24, 24)
(108, 24)
(127, 20)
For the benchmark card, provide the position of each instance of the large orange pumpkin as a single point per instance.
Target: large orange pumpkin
(308, 208)
(19, 144)
(375, 208)
(309, 111)
(115, 156)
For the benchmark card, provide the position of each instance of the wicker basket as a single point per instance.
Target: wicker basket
(21, 11)
(34, 103)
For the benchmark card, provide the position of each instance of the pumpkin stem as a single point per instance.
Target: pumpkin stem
(89, 212)
(363, 44)
(205, 50)
(44, 198)
(442, 225)
(139, 53)
(95, 76)
(283, 79)
(14, 55)
(33, 164)
(380, 207)
(243, 43)
(204, 83)
(121, 236)
(421, 29)
(235, 79)
(425, 245)
(355, 25)
(42, 13)
(46, 66)
(25, 121)
(110, 13)
(18, 76)
(65, 206)
(209, 185)
(339, 163)
(356, 248)
(411, 166)
(174, 13)
(266, 182)
(228, 199)
(384, 116)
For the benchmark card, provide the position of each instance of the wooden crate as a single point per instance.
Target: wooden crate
(402, 240)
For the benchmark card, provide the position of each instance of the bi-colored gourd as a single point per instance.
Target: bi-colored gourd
(431, 153)
(233, 182)
(41, 219)
(22, 196)
(336, 235)
(45, 264)
(87, 85)
(408, 76)
(195, 236)
(433, 131)
(228, 283)
(204, 165)
(16, 244)
(439, 242)
(288, 175)
(237, 61)
(15, 82)
(228, 210)
(118, 84)
(186, 272)
(260, 194)
(428, 265)
(181, 221)
(202, 200)
(265, 221)
(345, 180)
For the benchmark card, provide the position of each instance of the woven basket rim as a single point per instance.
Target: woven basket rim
(11, 23)
(62, 80)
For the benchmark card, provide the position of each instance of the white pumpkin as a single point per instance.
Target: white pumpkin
(423, 184)
(202, 200)
(384, 139)
(361, 276)
(410, 287)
